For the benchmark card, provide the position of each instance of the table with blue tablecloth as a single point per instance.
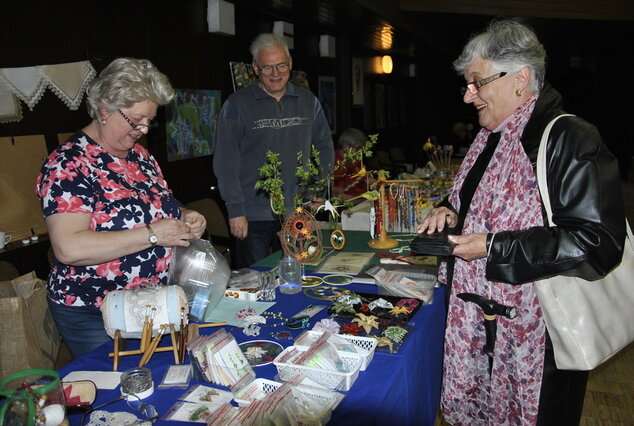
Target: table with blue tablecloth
(400, 389)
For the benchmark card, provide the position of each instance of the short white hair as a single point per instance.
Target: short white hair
(509, 46)
(268, 41)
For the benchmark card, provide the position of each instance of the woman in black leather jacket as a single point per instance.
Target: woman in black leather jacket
(503, 246)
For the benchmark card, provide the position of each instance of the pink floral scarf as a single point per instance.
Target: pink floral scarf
(507, 198)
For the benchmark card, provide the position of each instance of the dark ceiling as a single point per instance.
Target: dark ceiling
(432, 30)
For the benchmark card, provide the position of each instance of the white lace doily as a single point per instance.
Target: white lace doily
(104, 418)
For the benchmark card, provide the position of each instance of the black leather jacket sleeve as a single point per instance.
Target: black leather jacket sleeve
(587, 204)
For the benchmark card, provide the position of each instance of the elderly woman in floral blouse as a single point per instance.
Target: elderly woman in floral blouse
(111, 216)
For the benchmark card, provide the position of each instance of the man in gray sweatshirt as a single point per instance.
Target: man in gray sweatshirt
(271, 114)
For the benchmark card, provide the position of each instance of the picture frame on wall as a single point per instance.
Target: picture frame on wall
(242, 74)
(357, 81)
(327, 97)
(190, 126)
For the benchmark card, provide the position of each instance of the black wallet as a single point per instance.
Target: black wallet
(436, 244)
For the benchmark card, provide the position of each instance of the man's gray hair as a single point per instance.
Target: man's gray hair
(126, 81)
(509, 46)
(268, 41)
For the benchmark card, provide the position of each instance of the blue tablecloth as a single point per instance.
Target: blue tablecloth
(399, 389)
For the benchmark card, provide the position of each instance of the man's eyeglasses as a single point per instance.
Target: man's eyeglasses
(268, 69)
(474, 86)
(136, 126)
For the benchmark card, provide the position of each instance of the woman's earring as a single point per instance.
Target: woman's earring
(103, 121)
(518, 92)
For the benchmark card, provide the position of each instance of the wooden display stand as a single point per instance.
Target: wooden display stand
(383, 241)
(149, 345)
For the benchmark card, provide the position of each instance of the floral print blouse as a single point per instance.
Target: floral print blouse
(119, 193)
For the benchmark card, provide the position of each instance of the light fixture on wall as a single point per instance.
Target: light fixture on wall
(221, 17)
(286, 30)
(327, 46)
(381, 64)
(386, 64)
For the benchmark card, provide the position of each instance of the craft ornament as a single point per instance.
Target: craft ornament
(300, 236)
(340, 279)
(367, 322)
(323, 292)
(396, 334)
(380, 303)
(311, 281)
(327, 324)
(398, 310)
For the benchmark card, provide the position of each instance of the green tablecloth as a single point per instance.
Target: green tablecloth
(356, 241)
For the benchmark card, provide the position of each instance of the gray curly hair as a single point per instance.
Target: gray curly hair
(268, 41)
(354, 138)
(509, 46)
(126, 81)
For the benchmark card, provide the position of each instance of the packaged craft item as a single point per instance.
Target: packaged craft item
(33, 396)
(203, 273)
(217, 358)
(359, 345)
(405, 283)
(284, 403)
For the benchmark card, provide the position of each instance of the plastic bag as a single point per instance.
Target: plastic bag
(203, 274)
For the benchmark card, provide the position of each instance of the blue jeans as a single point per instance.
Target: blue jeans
(81, 328)
(261, 240)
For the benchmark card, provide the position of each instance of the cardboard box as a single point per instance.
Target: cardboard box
(28, 335)
(357, 218)
(250, 294)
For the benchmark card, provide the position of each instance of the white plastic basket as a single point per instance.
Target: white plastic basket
(329, 379)
(259, 388)
(367, 345)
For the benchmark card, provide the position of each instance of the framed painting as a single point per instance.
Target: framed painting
(357, 81)
(191, 123)
(327, 97)
(242, 74)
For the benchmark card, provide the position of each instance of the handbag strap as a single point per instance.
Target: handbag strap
(542, 181)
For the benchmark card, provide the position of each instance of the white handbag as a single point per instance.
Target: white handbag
(588, 321)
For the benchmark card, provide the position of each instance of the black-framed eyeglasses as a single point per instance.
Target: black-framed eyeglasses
(474, 86)
(282, 67)
(136, 126)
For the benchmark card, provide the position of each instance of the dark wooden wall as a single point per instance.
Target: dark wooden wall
(174, 35)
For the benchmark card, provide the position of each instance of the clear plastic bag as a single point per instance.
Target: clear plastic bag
(203, 273)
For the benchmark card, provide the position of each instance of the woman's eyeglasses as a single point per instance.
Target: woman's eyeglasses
(474, 86)
(136, 126)
(268, 69)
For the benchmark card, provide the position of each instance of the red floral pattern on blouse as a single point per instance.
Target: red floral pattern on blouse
(118, 193)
